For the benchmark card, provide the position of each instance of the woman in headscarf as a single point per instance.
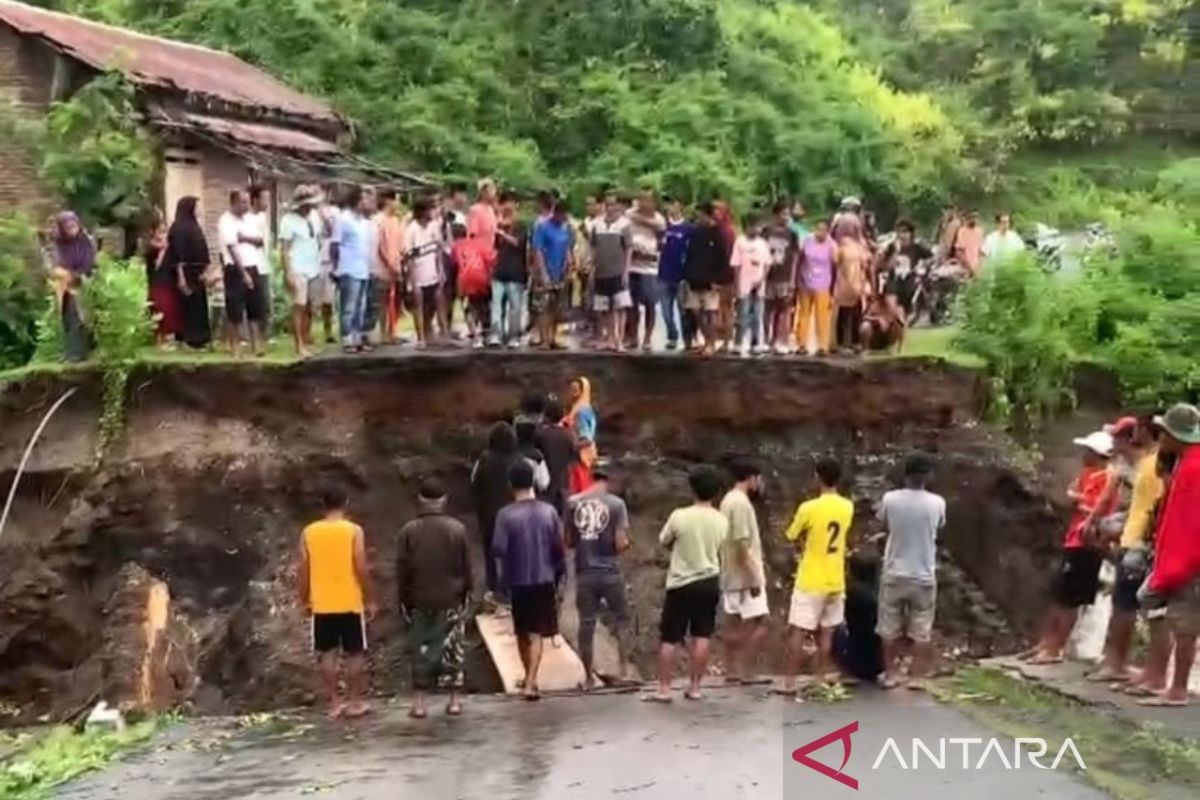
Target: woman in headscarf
(162, 289)
(74, 257)
(490, 490)
(582, 421)
(186, 262)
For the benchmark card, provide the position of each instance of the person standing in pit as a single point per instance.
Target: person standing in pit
(822, 527)
(1175, 574)
(751, 257)
(695, 534)
(433, 587)
(743, 576)
(912, 517)
(670, 268)
(1078, 578)
(242, 260)
(556, 442)
(597, 529)
(583, 423)
(300, 251)
(425, 277)
(531, 565)
(554, 261)
(818, 254)
(647, 228)
(781, 278)
(511, 277)
(1140, 488)
(490, 493)
(352, 256)
(704, 267)
(335, 588)
(612, 250)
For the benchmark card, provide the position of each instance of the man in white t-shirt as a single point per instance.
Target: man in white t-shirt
(424, 269)
(246, 292)
(646, 226)
(1003, 242)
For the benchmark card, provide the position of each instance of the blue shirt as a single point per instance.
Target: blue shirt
(553, 240)
(528, 544)
(352, 235)
(674, 250)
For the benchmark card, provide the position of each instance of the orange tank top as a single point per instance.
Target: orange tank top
(333, 584)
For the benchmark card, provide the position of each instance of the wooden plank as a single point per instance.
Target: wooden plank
(561, 668)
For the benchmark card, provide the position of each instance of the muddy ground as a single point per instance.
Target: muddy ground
(219, 467)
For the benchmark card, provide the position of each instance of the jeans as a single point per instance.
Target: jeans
(668, 299)
(596, 592)
(352, 295)
(511, 293)
(750, 316)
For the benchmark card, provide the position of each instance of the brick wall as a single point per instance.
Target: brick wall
(223, 173)
(26, 73)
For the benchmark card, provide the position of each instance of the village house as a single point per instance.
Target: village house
(220, 122)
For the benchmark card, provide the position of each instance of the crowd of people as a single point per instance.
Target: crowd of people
(1135, 502)
(541, 501)
(376, 270)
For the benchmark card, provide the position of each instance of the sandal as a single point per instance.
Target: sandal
(695, 697)
(454, 710)
(662, 699)
(1162, 701)
(414, 713)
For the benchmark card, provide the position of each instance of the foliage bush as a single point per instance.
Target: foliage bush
(22, 290)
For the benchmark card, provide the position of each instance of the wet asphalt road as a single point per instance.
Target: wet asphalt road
(735, 744)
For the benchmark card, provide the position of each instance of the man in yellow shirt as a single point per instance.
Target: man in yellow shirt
(1134, 442)
(335, 587)
(819, 598)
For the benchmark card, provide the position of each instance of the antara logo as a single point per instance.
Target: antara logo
(990, 753)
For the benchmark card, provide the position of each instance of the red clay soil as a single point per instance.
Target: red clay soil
(219, 468)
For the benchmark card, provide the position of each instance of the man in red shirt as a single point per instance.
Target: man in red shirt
(1078, 578)
(1175, 574)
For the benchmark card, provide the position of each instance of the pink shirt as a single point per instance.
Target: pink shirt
(482, 224)
(750, 260)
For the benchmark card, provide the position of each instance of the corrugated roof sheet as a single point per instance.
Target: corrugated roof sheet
(149, 60)
(256, 133)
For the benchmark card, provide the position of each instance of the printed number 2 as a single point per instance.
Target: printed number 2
(835, 530)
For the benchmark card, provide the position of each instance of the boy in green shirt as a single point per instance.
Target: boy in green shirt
(695, 534)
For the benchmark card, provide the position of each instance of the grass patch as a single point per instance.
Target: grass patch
(939, 343)
(44, 761)
(1131, 761)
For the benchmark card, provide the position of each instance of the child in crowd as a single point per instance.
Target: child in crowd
(750, 259)
(474, 283)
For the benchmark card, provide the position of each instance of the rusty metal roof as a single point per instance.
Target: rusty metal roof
(148, 60)
(254, 133)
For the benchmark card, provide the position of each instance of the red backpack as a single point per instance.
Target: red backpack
(474, 277)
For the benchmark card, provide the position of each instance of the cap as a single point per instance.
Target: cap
(602, 469)
(1125, 426)
(1099, 442)
(1181, 422)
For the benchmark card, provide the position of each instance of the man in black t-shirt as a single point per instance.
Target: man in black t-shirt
(897, 268)
(557, 444)
(511, 276)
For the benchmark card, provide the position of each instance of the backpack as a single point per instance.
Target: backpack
(474, 277)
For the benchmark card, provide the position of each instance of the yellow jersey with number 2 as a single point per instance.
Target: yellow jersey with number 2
(824, 523)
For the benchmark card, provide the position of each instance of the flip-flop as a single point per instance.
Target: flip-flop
(695, 697)
(755, 681)
(454, 710)
(1100, 677)
(1138, 690)
(1044, 661)
(414, 714)
(1160, 701)
(532, 697)
(778, 690)
(658, 698)
(890, 683)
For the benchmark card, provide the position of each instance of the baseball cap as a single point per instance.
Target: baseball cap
(1099, 442)
(1181, 422)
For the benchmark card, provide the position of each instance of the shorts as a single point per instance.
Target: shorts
(535, 610)
(427, 296)
(450, 270)
(906, 608)
(643, 289)
(780, 290)
(740, 603)
(595, 591)
(244, 303)
(610, 294)
(690, 610)
(1078, 578)
(345, 632)
(1131, 571)
(548, 298)
(702, 299)
(305, 290)
(811, 611)
(1183, 610)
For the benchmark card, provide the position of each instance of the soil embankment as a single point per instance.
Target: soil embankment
(202, 499)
